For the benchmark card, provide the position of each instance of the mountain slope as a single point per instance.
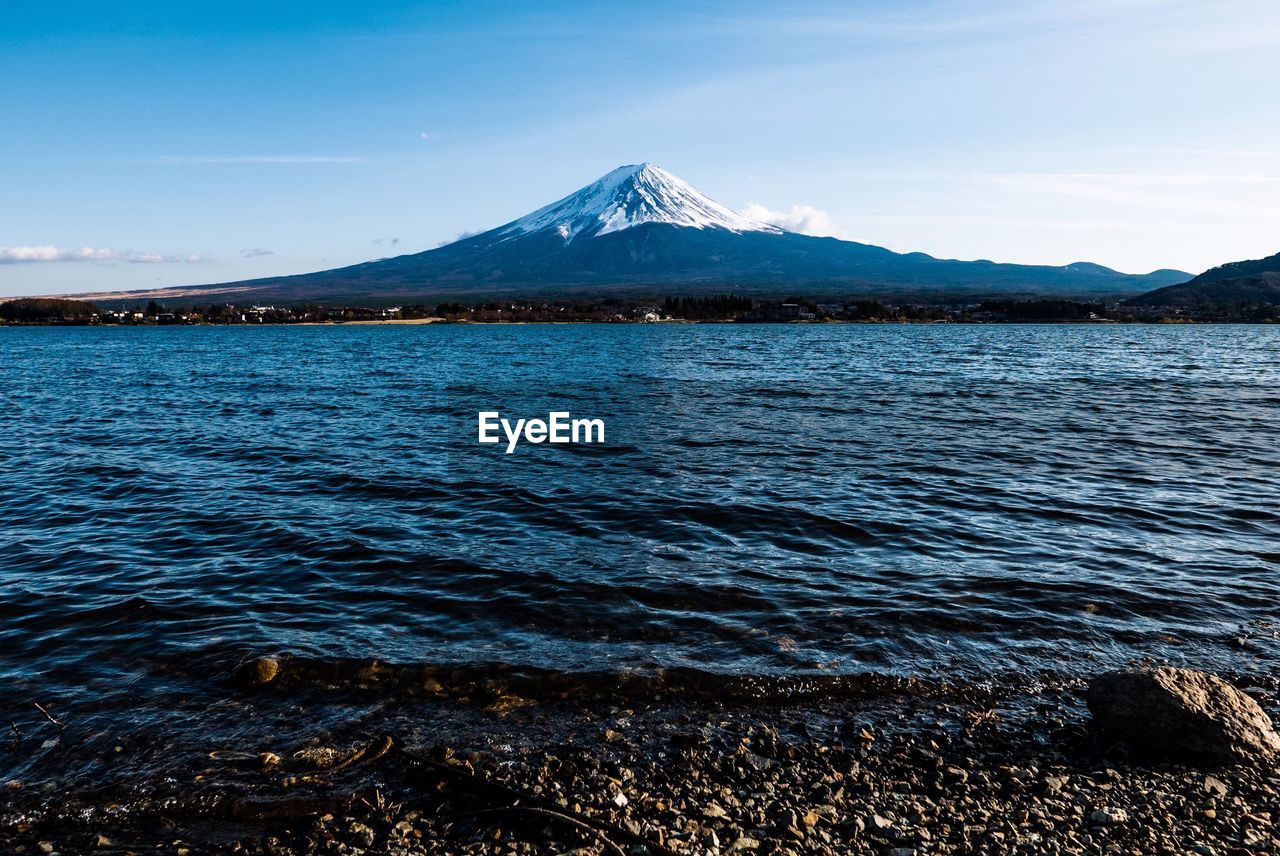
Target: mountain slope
(640, 230)
(1237, 270)
(1252, 282)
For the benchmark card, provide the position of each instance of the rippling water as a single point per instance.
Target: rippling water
(915, 500)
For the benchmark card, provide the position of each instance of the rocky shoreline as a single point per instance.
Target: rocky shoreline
(1004, 772)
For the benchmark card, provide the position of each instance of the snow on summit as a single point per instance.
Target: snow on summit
(630, 196)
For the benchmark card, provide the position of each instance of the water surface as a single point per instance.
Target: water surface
(771, 500)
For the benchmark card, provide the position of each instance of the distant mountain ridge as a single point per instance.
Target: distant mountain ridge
(641, 231)
(1256, 281)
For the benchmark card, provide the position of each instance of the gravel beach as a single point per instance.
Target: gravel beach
(990, 770)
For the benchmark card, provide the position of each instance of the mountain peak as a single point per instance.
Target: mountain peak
(631, 196)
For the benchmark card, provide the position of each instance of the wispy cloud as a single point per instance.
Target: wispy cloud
(255, 252)
(1137, 179)
(1222, 153)
(104, 255)
(948, 19)
(461, 236)
(1245, 194)
(428, 135)
(251, 159)
(1163, 192)
(1024, 223)
(804, 219)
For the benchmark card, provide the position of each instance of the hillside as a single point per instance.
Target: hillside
(1245, 283)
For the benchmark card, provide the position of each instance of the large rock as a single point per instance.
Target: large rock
(1182, 712)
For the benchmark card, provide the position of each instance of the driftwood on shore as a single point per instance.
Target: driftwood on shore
(521, 802)
(494, 798)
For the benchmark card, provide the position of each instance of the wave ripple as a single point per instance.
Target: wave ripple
(822, 500)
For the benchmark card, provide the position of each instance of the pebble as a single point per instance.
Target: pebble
(258, 672)
(1215, 786)
(794, 779)
(1108, 815)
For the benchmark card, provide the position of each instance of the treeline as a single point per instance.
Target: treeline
(47, 310)
(715, 307)
(1044, 310)
(710, 308)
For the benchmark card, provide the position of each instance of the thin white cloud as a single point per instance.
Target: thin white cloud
(32, 254)
(1211, 194)
(950, 19)
(803, 219)
(1135, 179)
(252, 159)
(1145, 191)
(461, 236)
(1057, 224)
(255, 252)
(1223, 153)
(429, 135)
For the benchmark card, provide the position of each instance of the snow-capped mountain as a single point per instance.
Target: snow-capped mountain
(627, 197)
(641, 231)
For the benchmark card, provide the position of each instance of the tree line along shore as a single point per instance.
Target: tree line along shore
(710, 309)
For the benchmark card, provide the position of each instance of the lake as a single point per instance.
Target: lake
(786, 501)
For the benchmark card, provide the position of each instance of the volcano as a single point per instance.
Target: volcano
(640, 231)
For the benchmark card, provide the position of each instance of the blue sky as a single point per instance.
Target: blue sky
(146, 144)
